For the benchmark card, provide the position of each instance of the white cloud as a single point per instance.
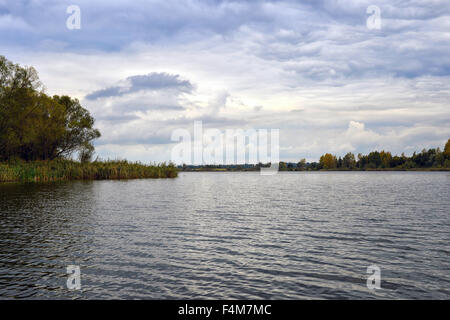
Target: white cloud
(9, 22)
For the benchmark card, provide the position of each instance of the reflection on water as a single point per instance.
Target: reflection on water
(229, 235)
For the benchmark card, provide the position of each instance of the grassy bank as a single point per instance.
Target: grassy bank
(62, 170)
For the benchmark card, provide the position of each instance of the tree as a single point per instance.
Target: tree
(19, 88)
(339, 162)
(328, 161)
(362, 161)
(386, 159)
(79, 131)
(447, 150)
(41, 130)
(374, 159)
(349, 161)
(86, 153)
(446, 154)
(35, 126)
(282, 165)
(301, 164)
(439, 158)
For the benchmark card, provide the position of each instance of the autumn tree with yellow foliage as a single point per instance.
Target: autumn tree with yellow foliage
(328, 161)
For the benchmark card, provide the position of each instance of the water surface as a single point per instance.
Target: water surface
(229, 235)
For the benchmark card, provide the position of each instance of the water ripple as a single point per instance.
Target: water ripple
(229, 236)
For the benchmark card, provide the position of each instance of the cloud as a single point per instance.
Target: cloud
(9, 22)
(310, 68)
(151, 82)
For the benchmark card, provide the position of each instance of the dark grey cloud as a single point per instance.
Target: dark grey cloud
(110, 27)
(330, 32)
(151, 82)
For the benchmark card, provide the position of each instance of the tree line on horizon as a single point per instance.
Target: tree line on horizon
(375, 160)
(431, 158)
(36, 126)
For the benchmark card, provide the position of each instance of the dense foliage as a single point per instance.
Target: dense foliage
(35, 126)
(431, 158)
(39, 134)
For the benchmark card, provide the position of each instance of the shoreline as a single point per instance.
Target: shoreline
(326, 170)
(68, 170)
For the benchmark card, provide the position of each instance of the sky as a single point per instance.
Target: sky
(319, 71)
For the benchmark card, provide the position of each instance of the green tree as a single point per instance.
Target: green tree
(386, 159)
(362, 161)
(349, 161)
(35, 126)
(446, 154)
(439, 158)
(79, 127)
(41, 130)
(19, 88)
(86, 153)
(301, 165)
(340, 162)
(374, 159)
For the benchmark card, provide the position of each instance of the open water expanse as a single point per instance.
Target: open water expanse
(302, 235)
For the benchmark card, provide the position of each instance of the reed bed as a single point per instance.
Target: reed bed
(62, 170)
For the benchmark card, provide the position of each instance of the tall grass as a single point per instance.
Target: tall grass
(61, 170)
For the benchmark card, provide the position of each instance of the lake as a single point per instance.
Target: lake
(299, 235)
